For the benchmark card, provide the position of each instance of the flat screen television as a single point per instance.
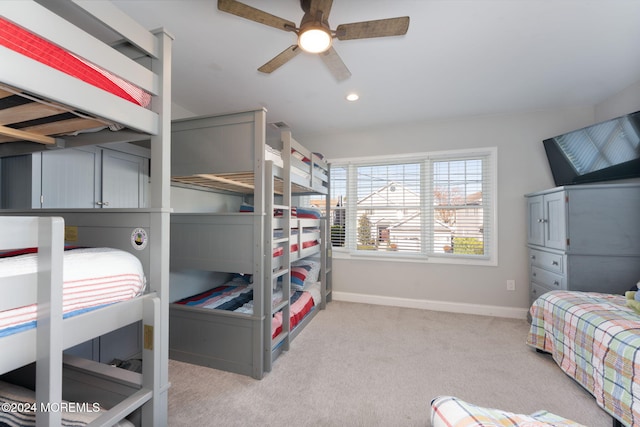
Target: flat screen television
(605, 151)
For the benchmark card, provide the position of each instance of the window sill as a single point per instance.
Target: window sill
(395, 257)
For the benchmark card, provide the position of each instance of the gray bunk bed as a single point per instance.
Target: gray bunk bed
(241, 154)
(55, 110)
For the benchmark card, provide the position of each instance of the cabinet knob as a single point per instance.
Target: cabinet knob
(533, 257)
(102, 203)
(533, 274)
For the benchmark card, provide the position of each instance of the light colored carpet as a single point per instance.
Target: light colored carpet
(366, 365)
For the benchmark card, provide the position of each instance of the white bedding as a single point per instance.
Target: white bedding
(93, 277)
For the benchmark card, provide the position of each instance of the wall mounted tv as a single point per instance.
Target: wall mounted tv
(601, 152)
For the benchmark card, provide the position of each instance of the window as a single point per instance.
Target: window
(425, 206)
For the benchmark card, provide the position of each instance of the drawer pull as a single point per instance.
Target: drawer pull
(555, 282)
(554, 263)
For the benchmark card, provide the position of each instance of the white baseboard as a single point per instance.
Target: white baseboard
(452, 307)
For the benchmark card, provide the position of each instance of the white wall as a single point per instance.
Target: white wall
(621, 103)
(522, 168)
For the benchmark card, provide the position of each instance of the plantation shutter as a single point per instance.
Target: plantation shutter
(428, 205)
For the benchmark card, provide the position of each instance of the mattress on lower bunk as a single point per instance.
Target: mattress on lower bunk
(595, 339)
(93, 278)
(238, 297)
(19, 409)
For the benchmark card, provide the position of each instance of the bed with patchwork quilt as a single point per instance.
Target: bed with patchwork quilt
(595, 339)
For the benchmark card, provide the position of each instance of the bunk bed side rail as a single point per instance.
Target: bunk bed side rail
(224, 144)
(215, 242)
(56, 86)
(52, 27)
(122, 24)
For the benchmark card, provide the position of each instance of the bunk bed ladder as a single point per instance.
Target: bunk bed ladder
(273, 346)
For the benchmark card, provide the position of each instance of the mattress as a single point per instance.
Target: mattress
(237, 297)
(595, 339)
(22, 41)
(93, 278)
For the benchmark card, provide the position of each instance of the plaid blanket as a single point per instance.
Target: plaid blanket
(447, 411)
(595, 339)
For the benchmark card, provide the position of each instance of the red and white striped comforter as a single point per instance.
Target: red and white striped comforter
(35, 47)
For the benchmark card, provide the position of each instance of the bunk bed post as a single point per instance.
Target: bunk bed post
(259, 249)
(49, 320)
(285, 136)
(157, 377)
(267, 273)
(327, 247)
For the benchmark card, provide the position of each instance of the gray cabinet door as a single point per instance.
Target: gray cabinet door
(123, 180)
(555, 221)
(69, 178)
(535, 226)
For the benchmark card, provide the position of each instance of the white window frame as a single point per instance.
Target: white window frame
(490, 203)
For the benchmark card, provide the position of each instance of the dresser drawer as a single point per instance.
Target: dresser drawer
(547, 260)
(547, 279)
(537, 291)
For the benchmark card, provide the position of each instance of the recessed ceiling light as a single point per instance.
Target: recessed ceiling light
(352, 97)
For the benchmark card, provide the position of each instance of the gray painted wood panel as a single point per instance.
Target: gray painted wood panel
(69, 178)
(591, 238)
(122, 180)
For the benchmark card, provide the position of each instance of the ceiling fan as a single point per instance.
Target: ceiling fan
(314, 33)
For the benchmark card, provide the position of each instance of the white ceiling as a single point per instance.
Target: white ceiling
(459, 58)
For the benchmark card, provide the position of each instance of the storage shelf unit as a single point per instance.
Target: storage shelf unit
(584, 238)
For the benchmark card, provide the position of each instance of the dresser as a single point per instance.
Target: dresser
(584, 238)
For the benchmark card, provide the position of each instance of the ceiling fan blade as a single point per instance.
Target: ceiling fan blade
(280, 59)
(323, 6)
(334, 63)
(370, 29)
(244, 11)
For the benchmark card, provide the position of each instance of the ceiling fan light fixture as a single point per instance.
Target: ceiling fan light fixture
(314, 40)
